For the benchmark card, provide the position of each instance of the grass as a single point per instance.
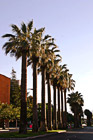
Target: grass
(52, 131)
(29, 134)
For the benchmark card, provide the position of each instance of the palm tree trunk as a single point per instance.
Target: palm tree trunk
(23, 116)
(62, 118)
(3, 124)
(75, 117)
(88, 121)
(49, 104)
(54, 110)
(43, 108)
(65, 113)
(80, 120)
(16, 123)
(35, 116)
(59, 117)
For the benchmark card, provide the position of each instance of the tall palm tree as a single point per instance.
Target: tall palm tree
(18, 46)
(63, 80)
(46, 53)
(48, 73)
(49, 102)
(76, 101)
(69, 84)
(54, 83)
(49, 70)
(58, 89)
(62, 69)
(34, 60)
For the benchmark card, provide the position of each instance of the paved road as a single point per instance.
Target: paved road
(81, 134)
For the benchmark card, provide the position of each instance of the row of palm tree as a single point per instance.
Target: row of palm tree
(41, 53)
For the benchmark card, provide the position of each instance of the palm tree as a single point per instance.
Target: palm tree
(49, 70)
(62, 69)
(49, 101)
(34, 60)
(69, 84)
(48, 73)
(58, 89)
(76, 101)
(18, 45)
(54, 83)
(46, 55)
(88, 113)
(63, 80)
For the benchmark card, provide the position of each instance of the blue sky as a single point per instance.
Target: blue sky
(70, 22)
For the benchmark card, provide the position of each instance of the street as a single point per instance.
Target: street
(79, 134)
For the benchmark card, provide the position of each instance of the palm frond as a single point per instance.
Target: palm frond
(8, 35)
(56, 51)
(23, 27)
(9, 47)
(30, 25)
(66, 70)
(46, 37)
(59, 56)
(15, 29)
(64, 66)
(57, 61)
(40, 30)
(54, 48)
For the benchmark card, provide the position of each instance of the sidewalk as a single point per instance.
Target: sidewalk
(11, 129)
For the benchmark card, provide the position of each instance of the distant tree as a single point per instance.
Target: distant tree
(15, 114)
(5, 113)
(15, 90)
(8, 112)
(88, 113)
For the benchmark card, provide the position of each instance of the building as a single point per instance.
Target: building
(4, 89)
